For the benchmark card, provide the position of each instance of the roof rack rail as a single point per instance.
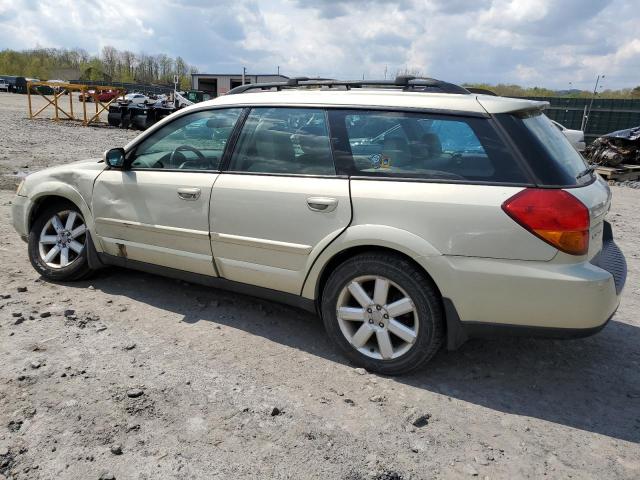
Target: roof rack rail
(405, 83)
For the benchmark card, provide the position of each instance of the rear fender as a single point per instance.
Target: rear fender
(366, 235)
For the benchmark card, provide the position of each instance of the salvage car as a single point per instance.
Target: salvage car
(408, 214)
(136, 98)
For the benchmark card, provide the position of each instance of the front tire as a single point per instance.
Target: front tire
(383, 312)
(58, 243)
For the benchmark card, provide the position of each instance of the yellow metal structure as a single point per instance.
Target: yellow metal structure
(84, 91)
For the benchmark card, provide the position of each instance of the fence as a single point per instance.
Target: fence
(129, 87)
(607, 115)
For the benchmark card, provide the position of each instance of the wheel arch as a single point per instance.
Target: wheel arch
(366, 238)
(50, 192)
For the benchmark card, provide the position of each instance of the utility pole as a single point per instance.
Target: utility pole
(385, 72)
(244, 72)
(585, 119)
(278, 70)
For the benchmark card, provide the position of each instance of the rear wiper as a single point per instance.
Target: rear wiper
(585, 172)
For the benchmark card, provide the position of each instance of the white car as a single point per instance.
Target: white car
(4, 86)
(575, 137)
(136, 98)
(408, 214)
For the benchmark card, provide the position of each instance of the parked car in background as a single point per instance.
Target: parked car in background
(409, 214)
(107, 96)
(575, 137)
(4, 86)
(136, 98)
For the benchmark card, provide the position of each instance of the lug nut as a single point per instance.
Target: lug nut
(371, 320)
(386, 316)
(369, 310)
(378, 307)
(381, 324)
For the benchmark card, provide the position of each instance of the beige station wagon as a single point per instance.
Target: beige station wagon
(408, 214)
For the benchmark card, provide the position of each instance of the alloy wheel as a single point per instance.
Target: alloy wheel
(62, 239)
(377, 317)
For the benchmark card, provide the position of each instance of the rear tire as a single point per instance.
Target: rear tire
(58, 243)
(383, 313)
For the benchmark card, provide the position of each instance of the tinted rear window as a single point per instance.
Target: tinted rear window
(547, 151)
(421, 145)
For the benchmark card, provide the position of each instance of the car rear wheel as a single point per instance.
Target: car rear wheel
(383, 312)
(58, 243)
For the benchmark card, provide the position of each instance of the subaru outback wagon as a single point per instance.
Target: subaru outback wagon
(408, 214)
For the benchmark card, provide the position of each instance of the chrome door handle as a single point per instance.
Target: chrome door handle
(322, 204)
(189, 193)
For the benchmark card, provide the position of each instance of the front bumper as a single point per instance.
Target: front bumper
(19, 215)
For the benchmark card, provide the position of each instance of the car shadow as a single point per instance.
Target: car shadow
(590, 384)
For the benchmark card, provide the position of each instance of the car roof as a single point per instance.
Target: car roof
(378, 97)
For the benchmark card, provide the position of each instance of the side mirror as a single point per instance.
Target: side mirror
(114, 157)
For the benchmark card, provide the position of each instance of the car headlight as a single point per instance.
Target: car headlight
(20, 185)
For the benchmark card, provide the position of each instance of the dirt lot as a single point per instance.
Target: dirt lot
(30, 145)
(132, 376)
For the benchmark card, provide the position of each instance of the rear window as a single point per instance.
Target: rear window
(548, 152)
(417, 145)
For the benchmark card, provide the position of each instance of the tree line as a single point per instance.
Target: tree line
(518, 91)
(111, 65)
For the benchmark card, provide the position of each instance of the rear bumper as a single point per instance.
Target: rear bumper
(489, 297)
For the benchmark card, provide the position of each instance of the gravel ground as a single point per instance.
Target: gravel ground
(133, 376)
(29, 145)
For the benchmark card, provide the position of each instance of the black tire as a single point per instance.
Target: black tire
(418, 287)
(78, 268)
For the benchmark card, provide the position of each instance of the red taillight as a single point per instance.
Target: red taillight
(555, 216)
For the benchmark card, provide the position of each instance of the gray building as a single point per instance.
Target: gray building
(221, 83)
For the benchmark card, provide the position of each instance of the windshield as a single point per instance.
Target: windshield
(557, 146)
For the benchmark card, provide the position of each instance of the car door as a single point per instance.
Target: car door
(156, 209)
(279, 202)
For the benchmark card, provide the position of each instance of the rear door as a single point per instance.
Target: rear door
(157, 210)
(280, 202)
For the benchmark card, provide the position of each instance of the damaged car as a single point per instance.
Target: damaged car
(409, 214)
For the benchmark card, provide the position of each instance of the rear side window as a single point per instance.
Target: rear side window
(556, 145)
(417, 145)
(284, 141)
(549, 154)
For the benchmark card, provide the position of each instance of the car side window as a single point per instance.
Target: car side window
(417, 145)
(285, 141)
(195, 141)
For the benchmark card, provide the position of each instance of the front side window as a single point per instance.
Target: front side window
(416, 145)
(192, 142)
(284, 141)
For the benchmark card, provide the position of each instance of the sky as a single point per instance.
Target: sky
(557, 44)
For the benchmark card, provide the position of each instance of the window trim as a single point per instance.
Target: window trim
(130, 154)
(231, 149)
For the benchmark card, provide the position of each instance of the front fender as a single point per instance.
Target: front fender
(59, 189)
(367, 235)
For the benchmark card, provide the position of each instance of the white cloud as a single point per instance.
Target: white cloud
(531, 42)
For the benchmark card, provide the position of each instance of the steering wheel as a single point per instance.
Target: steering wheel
(189, 148)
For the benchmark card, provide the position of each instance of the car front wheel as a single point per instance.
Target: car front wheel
(57, 243)
(383, 312)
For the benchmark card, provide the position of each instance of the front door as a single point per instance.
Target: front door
(280, 202)
(156, 210)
